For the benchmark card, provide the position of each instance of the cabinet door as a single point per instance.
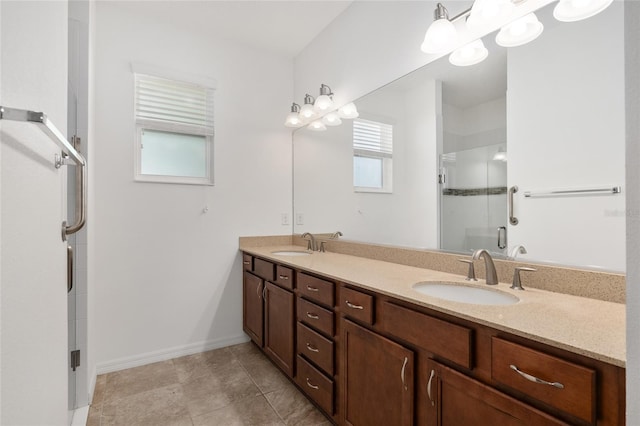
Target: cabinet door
(378, 379)
(456, 399)
(252, 307)
(278, 328)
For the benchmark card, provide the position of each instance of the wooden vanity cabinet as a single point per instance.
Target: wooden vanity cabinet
(279, 326)
(253, 308)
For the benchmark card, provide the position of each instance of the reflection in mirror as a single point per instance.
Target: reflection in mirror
(553, 109)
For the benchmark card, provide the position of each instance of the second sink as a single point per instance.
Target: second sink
(456, 292)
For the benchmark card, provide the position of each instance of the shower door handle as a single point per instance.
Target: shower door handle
(502, 237)
(69, 268)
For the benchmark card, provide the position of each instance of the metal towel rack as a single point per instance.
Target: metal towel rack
(581, 191)
(40, 119)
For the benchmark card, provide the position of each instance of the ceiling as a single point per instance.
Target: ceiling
(283, 27)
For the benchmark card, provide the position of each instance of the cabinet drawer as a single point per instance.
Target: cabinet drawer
(450, 341)
(356, 305)
(284, 277)
(247, 262)
(562, 384)
(315, 384)
(316, 348)
(263, 269)
(313, 315)
(316, 289)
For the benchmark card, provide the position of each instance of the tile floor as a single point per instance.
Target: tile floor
(237, 385)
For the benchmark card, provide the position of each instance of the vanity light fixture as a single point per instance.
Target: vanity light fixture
(293, 118)
(317, 126)
(501, 155)
(485, 12)
(577, 10)
(324, 102)
(471, 54)
(441, 35)
(307, 111)
(332, 119)
(348, 111)
(520, 31)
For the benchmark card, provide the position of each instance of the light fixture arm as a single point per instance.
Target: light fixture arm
(325, 90)
(295, 107)
(308, 99)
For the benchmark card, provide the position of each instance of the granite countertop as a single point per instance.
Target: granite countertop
(589, 327)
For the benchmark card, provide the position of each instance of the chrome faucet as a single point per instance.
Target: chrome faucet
(311, 242)
(489, 266)
(335, 235)
(517, 250)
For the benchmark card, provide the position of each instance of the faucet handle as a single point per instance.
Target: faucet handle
(517, 284)
(471, 273)
(322, 249)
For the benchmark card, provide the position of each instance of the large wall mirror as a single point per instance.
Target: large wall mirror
(431, 159)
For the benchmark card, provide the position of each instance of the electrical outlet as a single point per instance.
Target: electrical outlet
(299, 219)
(285, 218)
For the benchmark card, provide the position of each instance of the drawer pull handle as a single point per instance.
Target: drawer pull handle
(312, 349)
(283, 277)
(312, 288)
(246, 262)
(535, 379)
(352, 306)
(311, 385)
(431, 376)
(312, 316)
(404, 365)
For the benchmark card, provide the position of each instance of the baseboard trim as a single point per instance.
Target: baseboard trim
(169, 353)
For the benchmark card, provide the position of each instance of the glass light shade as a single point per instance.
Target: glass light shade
(317, 126)
(307, 112)
(332, 119)
(485, 13)
(323, 103)
(348, 111)
(441, 37)
(501, 155)
(293, 120)
(520, 31)
(471, 54)
(577, 10)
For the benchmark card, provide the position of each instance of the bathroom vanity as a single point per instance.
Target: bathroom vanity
(367, 348)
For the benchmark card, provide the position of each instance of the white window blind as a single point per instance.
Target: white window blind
(169, 101)
(372, 138)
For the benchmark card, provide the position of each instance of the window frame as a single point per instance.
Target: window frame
(142, 124)
(387, 160)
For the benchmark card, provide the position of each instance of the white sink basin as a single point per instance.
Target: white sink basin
(457, 292)
(291, 253)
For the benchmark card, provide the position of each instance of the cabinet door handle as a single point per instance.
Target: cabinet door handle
(258, 289)
(312, 288)
(312, 349)
(404, 365)
(312, 386)
(283, 277)
(431, 376)
(535, 379)
(352, 306)
(246, 262)
(313, 316)
(264, 292)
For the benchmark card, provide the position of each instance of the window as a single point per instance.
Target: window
(372, 156)
(174, 131)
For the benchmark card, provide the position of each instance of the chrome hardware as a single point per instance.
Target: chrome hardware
(512, 219)
(283, 277)
(315, 289)
(471, 272)
(517, 250)
(311, 348)
(312, 316)
(491, 277)
(81, 202)
(322, 250)
(583, 191)
(311, 242)
(335, 235)
(69, 268)
(246, 262)
(517, 284)
(264, 292)
(502, 242)
(352, 306)
(75, 359)
(535, 379)
(404, 364)
(258, 289)
(312, 386)
(431, 376)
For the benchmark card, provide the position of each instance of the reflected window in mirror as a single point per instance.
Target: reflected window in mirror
(372, 156)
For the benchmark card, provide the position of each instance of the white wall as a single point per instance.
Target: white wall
(566, 130)
(166, 276)
(632, 71)
(34, 359)
(480, 125)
